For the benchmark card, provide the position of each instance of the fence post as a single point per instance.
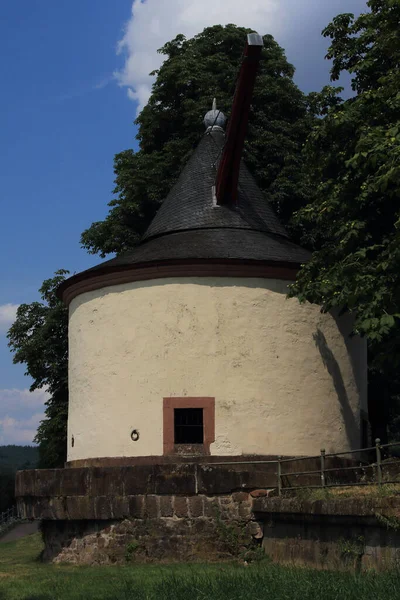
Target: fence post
(378, 461)
(323, 467)
(279, 476)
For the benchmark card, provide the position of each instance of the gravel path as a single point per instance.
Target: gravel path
(20, 531)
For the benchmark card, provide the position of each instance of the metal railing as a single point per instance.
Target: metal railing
(377, 467)
(8, 518)
(323, 472)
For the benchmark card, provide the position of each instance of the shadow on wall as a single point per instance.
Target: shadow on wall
(358, 356)
(333, 368)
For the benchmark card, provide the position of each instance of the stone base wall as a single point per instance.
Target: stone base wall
(354, 534)
(202, 512)
(162, 528)
(332, 542)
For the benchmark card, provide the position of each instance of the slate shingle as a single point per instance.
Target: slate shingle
(189, 205)
(188, 225)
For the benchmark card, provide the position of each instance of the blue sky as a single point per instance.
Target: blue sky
(73, 77)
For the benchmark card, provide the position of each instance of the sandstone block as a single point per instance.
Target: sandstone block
(181, 506)
(211, 507)
(74, 482)
(263, 493)
(136, 507)
(166, 509)
(196, 506)
(42, 508)
(244, 510)
(256, 530)
(152, 510)
(58, 508)
(174, 479)
(139, 480)
(102, 507)
(225, 500)
(48, 482)
(119, 507)
(240, 496)
(79, 507)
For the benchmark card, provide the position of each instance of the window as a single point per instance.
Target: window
(188, 426)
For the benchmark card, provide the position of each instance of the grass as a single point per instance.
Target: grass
(330, 493)
(23, 577)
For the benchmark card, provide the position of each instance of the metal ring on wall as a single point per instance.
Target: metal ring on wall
(135, 435)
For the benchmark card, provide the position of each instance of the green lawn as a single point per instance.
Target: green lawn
(23, 577)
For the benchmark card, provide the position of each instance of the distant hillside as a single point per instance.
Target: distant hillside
(13, 458)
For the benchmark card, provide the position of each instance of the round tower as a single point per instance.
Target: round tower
(189, 346)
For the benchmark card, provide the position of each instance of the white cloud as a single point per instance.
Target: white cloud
(19, 431)
(155, 22)
(20, 414)
(294, 23)
(8, 313)
(15, 399)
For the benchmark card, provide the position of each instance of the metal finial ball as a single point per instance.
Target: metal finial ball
(215, 117)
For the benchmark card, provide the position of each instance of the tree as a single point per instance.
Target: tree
(353, 222)
(39, 339)
(355, 157)
(194, 72)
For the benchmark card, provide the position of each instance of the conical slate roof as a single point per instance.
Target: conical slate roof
(190, 203)
(190, 228)
(189, 224)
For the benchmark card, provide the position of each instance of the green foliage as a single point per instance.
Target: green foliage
(353, 156)
(352, 547)
(131, 549)
(389, 521)
(352, 551)
(236, 540)
(39, 340)
(312, 495)
(231, 536)
(194, 72)
(14, 457)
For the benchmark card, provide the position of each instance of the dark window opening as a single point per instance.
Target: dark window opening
(188, 425)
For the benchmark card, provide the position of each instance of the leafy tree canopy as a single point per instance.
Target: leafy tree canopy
(354, 162)
(13, 458)
(39, 339)
(194, 72)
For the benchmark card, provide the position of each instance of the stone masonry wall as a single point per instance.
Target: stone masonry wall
(161, 528)
(192, 512)
(353, 534)
(359, 533)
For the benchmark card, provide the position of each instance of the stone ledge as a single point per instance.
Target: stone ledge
(131, 461)
(106, 508)
(165, 479)
(360, 507)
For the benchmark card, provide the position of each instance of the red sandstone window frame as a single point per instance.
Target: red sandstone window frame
(208, 406)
